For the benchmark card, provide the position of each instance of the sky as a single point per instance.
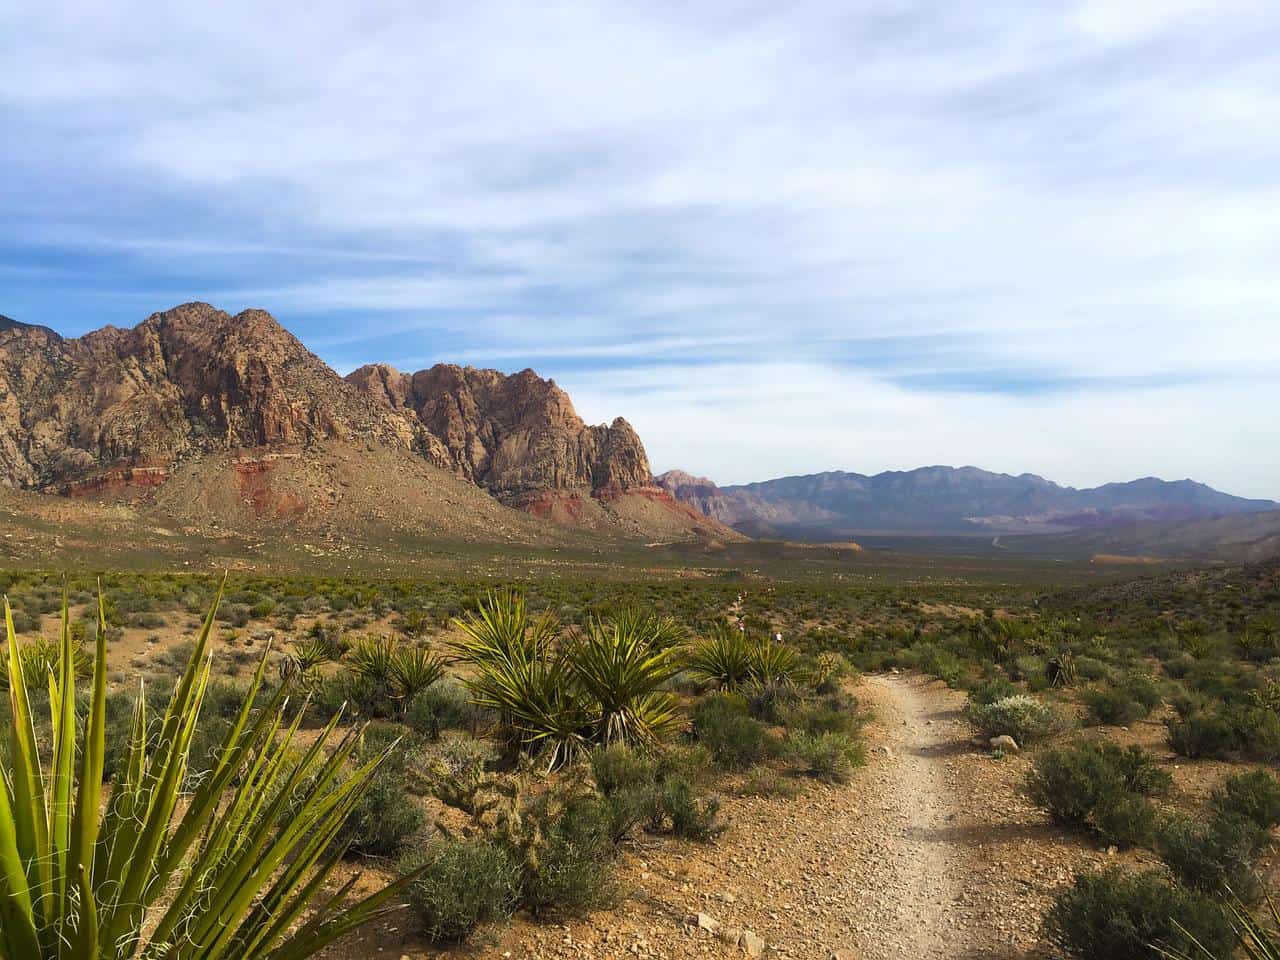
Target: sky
(777, 238)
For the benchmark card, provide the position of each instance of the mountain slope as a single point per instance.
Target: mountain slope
(235, 412)
(947, 500)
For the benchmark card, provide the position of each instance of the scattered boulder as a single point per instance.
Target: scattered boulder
(752, 944)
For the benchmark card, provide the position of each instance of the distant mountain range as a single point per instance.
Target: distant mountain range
(199, 421)
(947, 500)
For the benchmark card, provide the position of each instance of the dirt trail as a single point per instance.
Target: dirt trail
(910, 866)
(928, 854)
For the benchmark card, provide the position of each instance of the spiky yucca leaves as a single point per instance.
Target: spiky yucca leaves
(40, 658)
(518, 675)
(1256, 940)
(773, 664)
(723, 658)
(413, 669)
(234, 874)
(620, 665)
(600, 688)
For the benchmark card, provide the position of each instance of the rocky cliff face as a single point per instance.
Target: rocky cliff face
(186, 381)
(513, 435)
(194, 402)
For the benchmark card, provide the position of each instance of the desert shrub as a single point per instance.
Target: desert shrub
(628, 781)
(1093, 669)
(386, 818)
(1099, 786)
(465, 884)
(764, 782)
(831, 757)
(572, 871)
(1116, 915)
(769, 702)
(722, 658)
(737, 741)
(833, 713)
(1253, 796)
(988, 691)
(691, 817)
(1180, 665)
(1022, 717)
(1213, 855)
(1121, 703)
(443, 705)
(1228, 732)
(1127, 820)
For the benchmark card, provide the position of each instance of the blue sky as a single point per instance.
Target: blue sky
(778, 238)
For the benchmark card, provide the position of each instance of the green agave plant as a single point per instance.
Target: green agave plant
(238, 868)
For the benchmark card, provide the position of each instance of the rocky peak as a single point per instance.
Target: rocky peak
(512, 434)
(184, 381)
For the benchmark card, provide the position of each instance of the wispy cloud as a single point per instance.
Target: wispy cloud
(1064, 209)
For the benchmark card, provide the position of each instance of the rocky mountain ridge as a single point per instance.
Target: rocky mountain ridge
(239, 399)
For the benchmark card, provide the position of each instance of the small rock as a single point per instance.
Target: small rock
(1004, 742)
(705, 922)
(751, 944)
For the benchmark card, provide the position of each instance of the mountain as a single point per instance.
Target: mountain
(231, 419)
(946, 500)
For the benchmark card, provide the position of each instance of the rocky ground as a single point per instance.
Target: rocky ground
(929, 853)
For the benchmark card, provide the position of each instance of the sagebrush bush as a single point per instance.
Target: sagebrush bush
(1117, 915)
(1022, 717)
(465, 884)
(831, 757)
(990, 690)
(763, 782)
(736, 740)
(1252, 796)
(1121, 703)
(691, 817)
(1231, 731)
(572, 872)
(443, 705)
(1214, 855)
(1099, 786)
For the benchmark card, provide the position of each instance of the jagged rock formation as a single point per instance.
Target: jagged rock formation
(183, 382)
(514, 435)
(205, 414)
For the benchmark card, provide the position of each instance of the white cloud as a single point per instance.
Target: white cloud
(1083, 193)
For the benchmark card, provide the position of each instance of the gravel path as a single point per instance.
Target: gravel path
(908, 869)
(929, 853)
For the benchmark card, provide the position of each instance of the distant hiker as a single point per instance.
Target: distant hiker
(777, 638)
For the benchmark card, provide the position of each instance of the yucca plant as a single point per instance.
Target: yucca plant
(772, 664)
(519, 676)
(1256, 940)
(373, 660)
(620, 665)
(236, 868)
(413, 670)
(723, 658)
(40, 656)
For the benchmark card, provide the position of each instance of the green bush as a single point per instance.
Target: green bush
(833, 713)
(1229, 732)
(386, 818)
(722, 724)
(1253, 796)
(1022, 717)
(443, 705)
(1099, 786)
(1120, 704)
(763, 782)
(1213, 855)
(831, 757)
(1116, 915)
(990, 690)
(690, 817)
(465, 884)
(572, 872)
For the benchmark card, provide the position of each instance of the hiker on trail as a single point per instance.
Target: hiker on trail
(777, 638)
